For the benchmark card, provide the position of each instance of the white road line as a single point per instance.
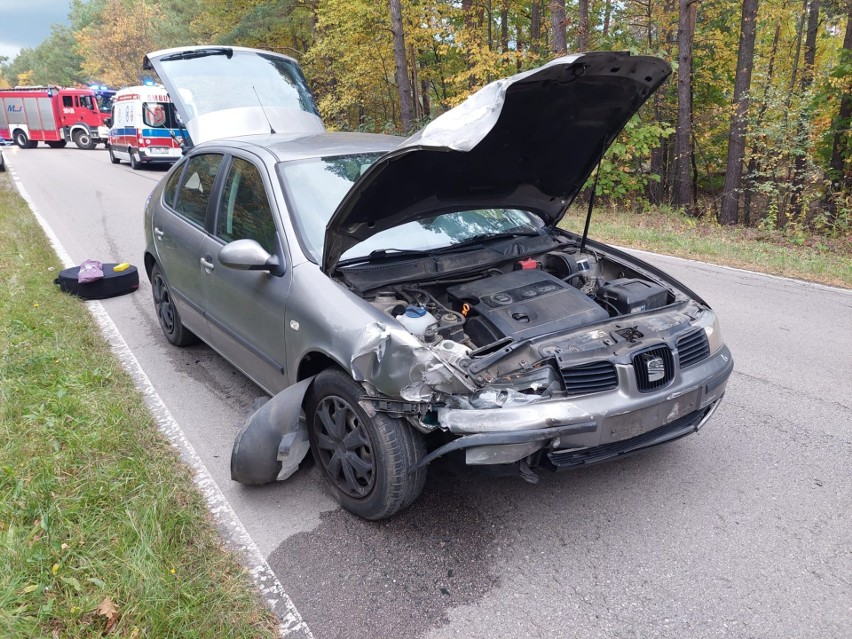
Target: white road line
(292, 625)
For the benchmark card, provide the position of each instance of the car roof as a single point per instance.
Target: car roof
(289, 147)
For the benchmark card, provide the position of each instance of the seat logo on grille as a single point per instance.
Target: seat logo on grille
(656, 369)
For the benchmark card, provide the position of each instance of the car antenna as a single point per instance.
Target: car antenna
(271, 130)
(592, 199)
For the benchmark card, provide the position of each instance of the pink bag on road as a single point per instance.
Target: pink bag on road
(90, 270)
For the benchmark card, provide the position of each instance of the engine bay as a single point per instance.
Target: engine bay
(516, 291)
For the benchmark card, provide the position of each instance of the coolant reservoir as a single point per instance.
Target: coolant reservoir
(416, 319)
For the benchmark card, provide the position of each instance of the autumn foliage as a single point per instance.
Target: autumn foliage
(786, 120)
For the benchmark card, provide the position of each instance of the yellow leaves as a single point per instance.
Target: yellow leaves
(113, 49)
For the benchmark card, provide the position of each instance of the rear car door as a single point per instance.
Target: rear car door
(245, 309)
(180, 228)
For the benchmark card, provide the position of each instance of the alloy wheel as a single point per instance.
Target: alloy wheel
(344, 447)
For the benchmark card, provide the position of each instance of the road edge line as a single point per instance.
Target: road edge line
(235, 534)
(792, 280)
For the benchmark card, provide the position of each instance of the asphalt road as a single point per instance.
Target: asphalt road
(744, 530)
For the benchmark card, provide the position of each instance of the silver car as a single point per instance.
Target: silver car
(402, 299)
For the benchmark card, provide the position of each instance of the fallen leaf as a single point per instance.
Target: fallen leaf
(110, 612)
(71, 581)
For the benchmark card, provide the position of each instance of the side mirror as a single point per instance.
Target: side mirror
(248, 255)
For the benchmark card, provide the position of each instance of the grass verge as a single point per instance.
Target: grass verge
(102, 530)
(812, 258)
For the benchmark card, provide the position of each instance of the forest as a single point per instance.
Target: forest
(751, 129)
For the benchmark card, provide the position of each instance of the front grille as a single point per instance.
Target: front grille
(654, 368)
(692, 348)
(590, 378)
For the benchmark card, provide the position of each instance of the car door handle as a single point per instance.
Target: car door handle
(207, 263)
(158, 233)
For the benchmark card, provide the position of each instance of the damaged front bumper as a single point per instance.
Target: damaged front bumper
(582, 430)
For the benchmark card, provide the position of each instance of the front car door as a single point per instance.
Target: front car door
(245, 309)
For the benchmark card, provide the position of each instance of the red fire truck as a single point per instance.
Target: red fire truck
(55, 116)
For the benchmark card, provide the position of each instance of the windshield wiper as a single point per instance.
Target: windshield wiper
(491, 237)
(200, 53)
(384, 254)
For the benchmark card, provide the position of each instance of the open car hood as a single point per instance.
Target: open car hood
(529, 141)
(222, 92)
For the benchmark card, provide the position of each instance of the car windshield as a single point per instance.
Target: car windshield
(316, 187)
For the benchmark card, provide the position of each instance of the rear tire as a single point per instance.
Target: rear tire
(59, 144)
(367, 461)
(22, 140)
(112, 157)
(83, 140)
(167, 313)
(134, 163)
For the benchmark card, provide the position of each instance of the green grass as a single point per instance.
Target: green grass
(812, 258)
(94, 502)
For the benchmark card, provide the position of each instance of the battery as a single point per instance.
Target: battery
(630, 295)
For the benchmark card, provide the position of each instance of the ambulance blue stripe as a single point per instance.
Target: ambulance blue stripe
(147, 133)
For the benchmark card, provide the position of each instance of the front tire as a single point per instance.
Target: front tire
(167, 313)
(59, 144)
(84, 140)
(366, 461)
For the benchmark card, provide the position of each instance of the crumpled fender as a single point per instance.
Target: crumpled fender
(274, 441)
(397, 364)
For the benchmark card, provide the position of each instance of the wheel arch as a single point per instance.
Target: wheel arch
(80, 126)
(314, 363)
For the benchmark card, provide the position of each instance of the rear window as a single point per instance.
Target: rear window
(159, 115)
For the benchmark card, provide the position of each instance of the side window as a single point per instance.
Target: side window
(194, 191)
(244, 213)
(67, 101)
(170, 191)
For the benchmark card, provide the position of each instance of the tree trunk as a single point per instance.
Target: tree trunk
(583, 27)
(736, 138)
(557, 22)
(607, 16)
(682, 195)
(504, 27)
(753, 163)
(535, 26)
(425, 100)
(839, 174)
(798, 184)
(660, 154)
(406, 103)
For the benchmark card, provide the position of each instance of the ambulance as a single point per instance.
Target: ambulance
(145, 127)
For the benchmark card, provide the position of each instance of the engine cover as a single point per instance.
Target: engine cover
(522, 304)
